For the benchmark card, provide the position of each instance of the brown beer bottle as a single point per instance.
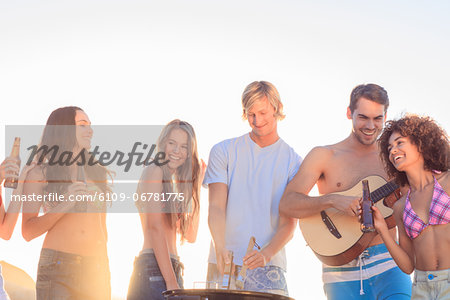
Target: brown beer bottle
(366, 214)
(11, 182)
(228, 274)
(80, 174)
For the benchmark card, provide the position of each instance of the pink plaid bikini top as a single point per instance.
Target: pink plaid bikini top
(439, 212)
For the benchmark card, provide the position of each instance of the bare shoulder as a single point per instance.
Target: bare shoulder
(319, 159)
(151, 181)
(444, 181)
(320, 153)
(152, 172)
(316, 161)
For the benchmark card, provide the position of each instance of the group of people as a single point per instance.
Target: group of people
(258, 187)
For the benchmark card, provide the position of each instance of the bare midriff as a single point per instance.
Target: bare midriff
(169, 233)
(78, 233)
(431, 248)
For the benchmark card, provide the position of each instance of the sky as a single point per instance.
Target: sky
(148, 62)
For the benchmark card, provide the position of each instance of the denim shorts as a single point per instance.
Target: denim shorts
(431, 285)
(147, 281)
(64, 275)
(268, 279)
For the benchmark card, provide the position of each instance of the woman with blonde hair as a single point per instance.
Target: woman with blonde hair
(73, 263)
(178, 183)
(415, 151)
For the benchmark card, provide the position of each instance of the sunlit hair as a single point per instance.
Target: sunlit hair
(372, 92)
(430, 139)
(257, 91)
(60, 131)
(185, 180)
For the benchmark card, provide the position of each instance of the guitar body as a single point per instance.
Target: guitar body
(336, 251)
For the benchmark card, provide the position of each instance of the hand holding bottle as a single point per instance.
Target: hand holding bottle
(12, 176)
(9, 169)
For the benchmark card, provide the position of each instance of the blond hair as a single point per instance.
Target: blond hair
(257, 91)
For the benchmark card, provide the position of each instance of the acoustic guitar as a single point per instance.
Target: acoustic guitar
(335, 237)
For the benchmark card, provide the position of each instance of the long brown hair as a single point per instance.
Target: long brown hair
(60, 131)
(185, 180)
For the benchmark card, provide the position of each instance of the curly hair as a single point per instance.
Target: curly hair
(431, 140)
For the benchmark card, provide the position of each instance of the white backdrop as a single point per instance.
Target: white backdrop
(148, 62)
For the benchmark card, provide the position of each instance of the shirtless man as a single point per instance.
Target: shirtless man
(337, 168)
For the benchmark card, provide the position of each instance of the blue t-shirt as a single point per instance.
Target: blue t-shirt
(256, 178)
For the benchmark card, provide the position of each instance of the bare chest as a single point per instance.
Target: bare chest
(345, 170)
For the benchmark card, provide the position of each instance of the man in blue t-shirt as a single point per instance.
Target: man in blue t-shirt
(246, 177)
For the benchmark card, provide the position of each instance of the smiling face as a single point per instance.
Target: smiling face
(83, 130)
(368, 119)
(262, 120)
(176, 148)
(403, 153)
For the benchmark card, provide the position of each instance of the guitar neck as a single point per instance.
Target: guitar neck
(383, 191)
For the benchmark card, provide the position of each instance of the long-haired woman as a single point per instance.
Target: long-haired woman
(169, 206)
(415, 151)
(73, 263)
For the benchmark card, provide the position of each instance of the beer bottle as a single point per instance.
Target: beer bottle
(80, 174)
(228, 274)
(11, 182)
(81, 206)
(366, 214)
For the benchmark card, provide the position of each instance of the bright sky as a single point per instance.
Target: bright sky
(141, 62)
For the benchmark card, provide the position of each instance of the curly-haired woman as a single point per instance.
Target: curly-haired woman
(415, 151)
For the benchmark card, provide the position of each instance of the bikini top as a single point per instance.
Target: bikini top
(439, 212)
